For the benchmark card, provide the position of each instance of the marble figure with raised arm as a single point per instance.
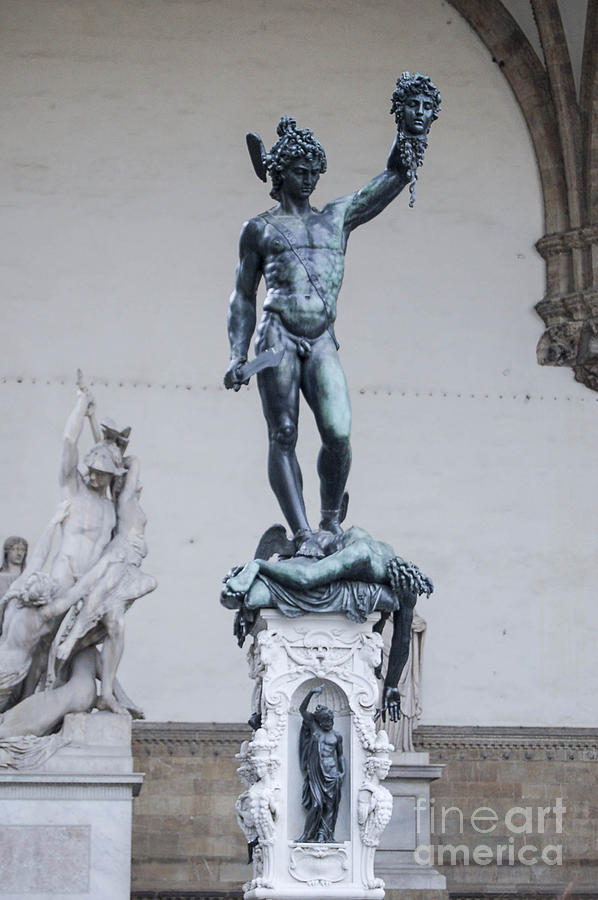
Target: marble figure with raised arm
(68, 603)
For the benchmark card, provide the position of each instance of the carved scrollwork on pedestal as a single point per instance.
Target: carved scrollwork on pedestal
(288, 659)
(318, 865)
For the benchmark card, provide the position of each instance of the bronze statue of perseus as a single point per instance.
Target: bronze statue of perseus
(300, 250)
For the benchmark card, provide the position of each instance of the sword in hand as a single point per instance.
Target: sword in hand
(240, 373)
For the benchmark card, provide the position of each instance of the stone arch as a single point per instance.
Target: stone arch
(564, 134)
(526, 76)
(589, 113)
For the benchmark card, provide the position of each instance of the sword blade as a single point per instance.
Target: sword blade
(265, 360)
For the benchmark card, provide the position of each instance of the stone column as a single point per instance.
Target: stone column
(403, 857)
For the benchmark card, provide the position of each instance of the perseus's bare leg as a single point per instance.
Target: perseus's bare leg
(279, 392)
(325, 388)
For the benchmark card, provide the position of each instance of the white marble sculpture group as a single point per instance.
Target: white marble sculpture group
(62, 616)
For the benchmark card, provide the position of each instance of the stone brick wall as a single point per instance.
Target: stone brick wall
(185, 834)
(186, 842)
(534, 793)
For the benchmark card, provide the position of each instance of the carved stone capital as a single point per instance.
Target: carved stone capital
(575, 238)
(571, 336)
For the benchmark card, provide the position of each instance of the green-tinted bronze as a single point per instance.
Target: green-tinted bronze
(300, 252)
(361, 577)
(415, 104)
(323, 765)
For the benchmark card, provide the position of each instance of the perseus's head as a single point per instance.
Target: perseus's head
(293, 145)
(415, 103)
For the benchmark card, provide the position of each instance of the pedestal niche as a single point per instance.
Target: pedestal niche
(65, 811)
(289, 658)
(398, 861)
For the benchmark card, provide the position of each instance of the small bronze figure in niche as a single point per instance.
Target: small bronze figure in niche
(323, 766)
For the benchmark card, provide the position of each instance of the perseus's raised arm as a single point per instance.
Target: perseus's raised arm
(415, 104)
(241, 312)
(375, 196)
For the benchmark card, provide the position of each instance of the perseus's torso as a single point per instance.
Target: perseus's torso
(319, 239)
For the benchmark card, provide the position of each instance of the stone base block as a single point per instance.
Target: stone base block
(397, 859)
(315, 893)
(65, 826)
(408, 894)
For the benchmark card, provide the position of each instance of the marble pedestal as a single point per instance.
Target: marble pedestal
(409, 828)
(65, 825)
(288, 658)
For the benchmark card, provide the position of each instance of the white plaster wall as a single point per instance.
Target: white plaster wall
(125, 182)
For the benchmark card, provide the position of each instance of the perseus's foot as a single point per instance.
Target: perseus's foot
(330, 542)
(330, 534)
(240, 583)
(332, 518)
(308, 545)
(331, 522)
